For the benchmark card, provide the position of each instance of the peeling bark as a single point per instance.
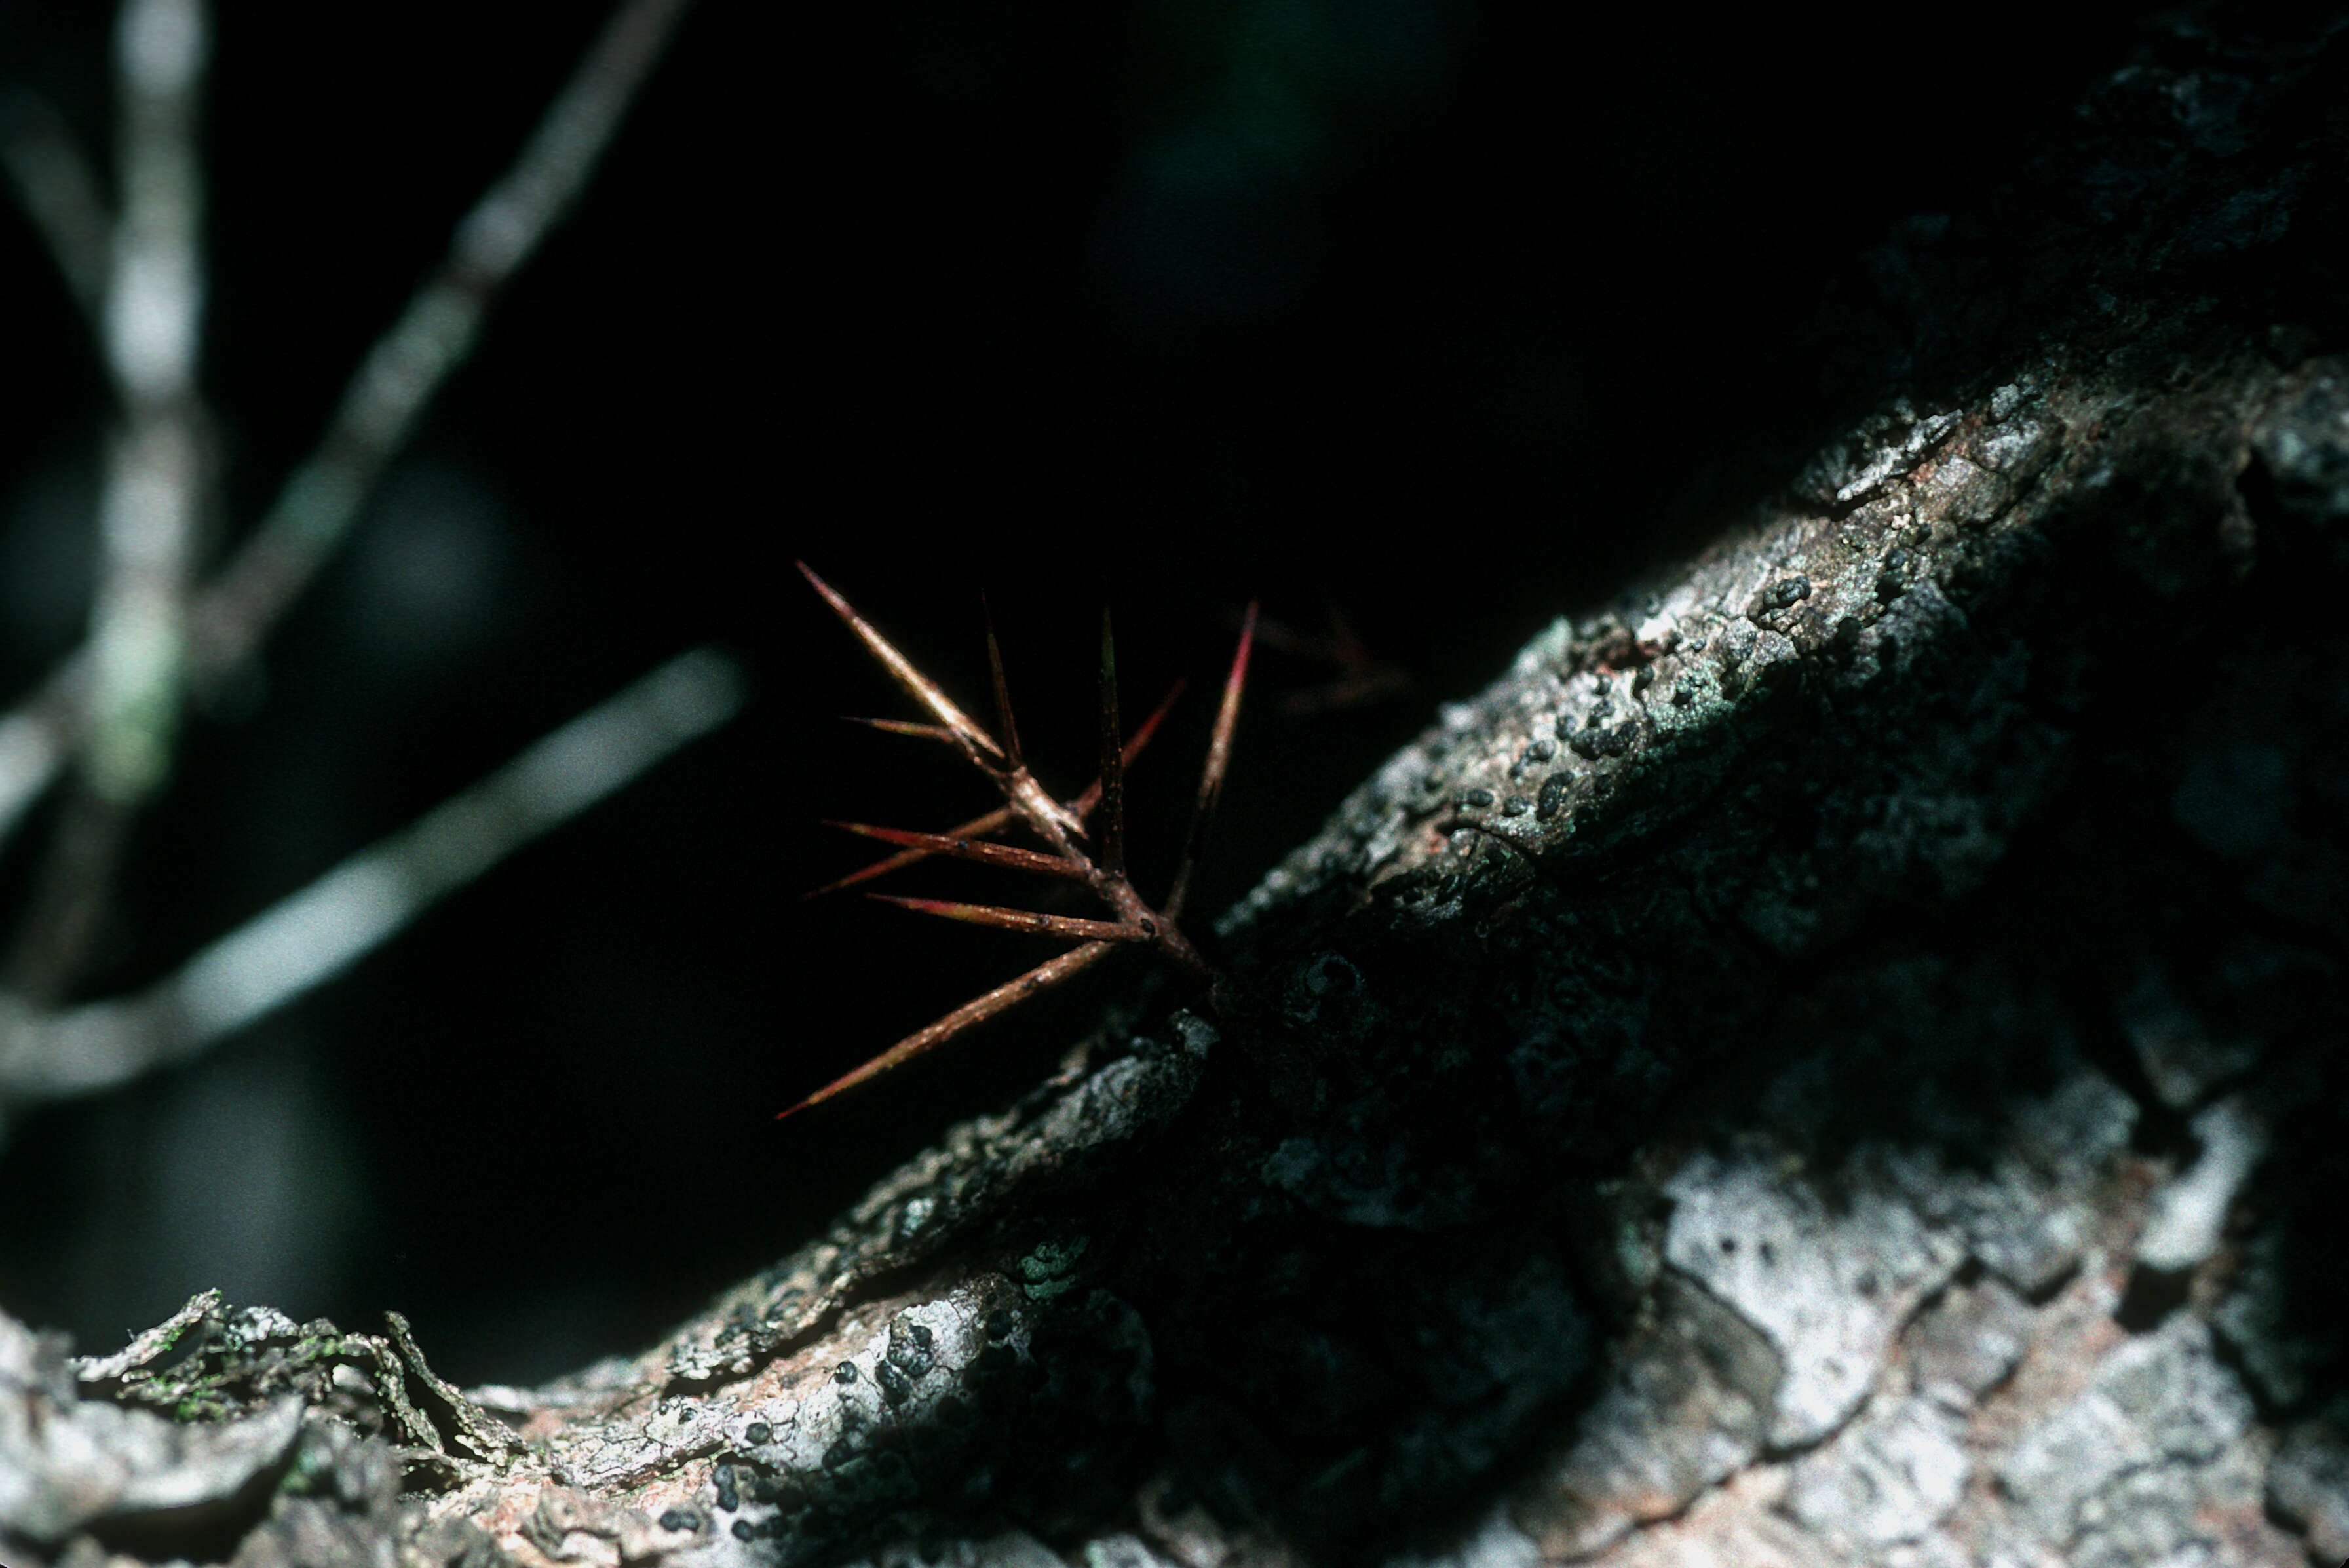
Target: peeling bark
(1832, 1060)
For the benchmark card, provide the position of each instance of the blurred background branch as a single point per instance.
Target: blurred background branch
(162, 633)
(57, 189)
(320, 931)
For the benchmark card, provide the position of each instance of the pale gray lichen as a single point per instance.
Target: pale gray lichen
(1893, 1476)
(2161, 1403)
(1831, 1288)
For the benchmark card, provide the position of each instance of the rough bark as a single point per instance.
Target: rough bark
(1833, 1060)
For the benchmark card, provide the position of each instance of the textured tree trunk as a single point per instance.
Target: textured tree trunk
(1835, 1060)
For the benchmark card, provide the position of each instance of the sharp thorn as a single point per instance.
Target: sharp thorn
(904, 727)
(961, 846)
(1084, 804)
(1003, 689)
(970, 1014)
(1021, 919)
(1113, 758)
(967, 734)
(987, 827)
(1219, 756)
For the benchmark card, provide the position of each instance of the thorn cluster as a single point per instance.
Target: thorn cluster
(1061, 827)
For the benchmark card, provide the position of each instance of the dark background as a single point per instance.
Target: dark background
(1448, 317)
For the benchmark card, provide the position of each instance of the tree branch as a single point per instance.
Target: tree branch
(1833, 1059)
(313, 934)
(400, 375)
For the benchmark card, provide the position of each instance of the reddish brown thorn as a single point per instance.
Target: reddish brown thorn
(1002, 691)
(1023, 921)
(964, 847)
(993, 823)
(1084, 804)
(1219, 757)
(1112, 759)
(973, 739)
(996, 821)
(969, 1015)
(904, 727)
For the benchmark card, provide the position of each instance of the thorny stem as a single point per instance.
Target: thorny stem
(151, 314)
(1026, 801)
(996, 821)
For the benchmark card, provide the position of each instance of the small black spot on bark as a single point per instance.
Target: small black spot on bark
(1477, 797)
(845, 1373)
(680, 1519)
(742, 1530)
(1552, 796)
(2152, 1295)
(757, 1432)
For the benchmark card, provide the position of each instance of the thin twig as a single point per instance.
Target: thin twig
(71, 894)
(379, 408)
(58, 187)
(149, 315)
(313, 934)
(153, 314)
(434, 335)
